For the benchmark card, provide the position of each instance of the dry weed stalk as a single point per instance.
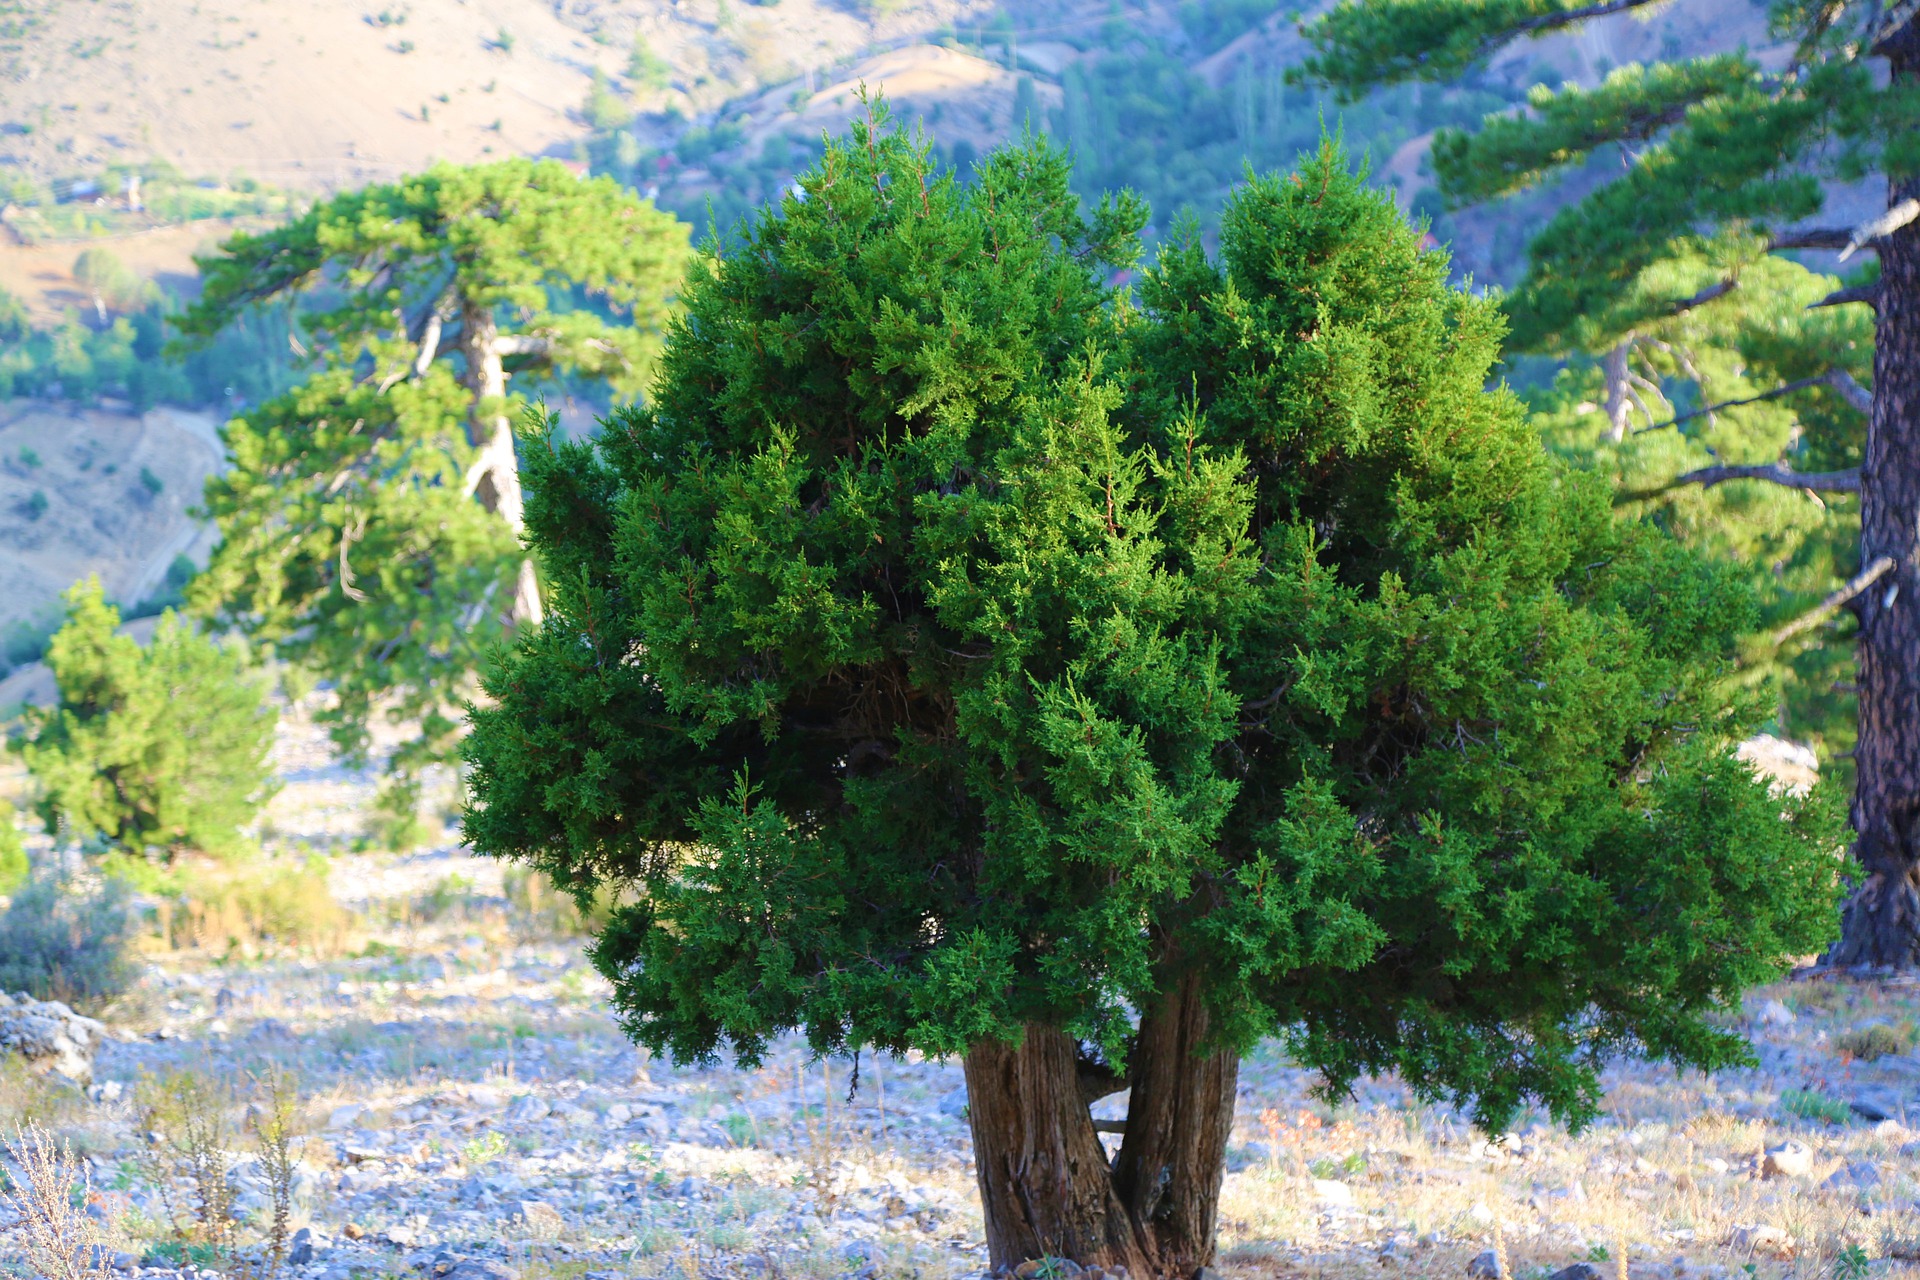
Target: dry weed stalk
(187, 1126)
(274, 1119)
(1500, 1264)
(61, 1241)
(1620, 1252)
(823, 1139)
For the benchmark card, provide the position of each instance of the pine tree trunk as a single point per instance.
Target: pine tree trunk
(494, 477)
(1882, 923)
(1046, 1188)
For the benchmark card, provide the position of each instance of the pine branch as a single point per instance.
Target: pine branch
(1867, 293)
(1567, 17)
(1703, 297)
(1852, 392)
(1884, 225)
(1847, 481)
(1811, 238)
(1840, 380)
(1815, 616)
(1788, 389)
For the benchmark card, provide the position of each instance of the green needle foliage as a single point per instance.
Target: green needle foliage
(370, 519)
(950, 647)
(160, 750)
(1695, 170)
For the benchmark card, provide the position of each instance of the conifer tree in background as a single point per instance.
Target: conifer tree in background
(158, 750)
(1729, 160)
(953, 658)
(371, 516)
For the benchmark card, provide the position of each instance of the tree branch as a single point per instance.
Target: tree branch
(1867, 293)
(1840, 380)
(1847, 481)
(1815, 616)
(1703, 297)
(1812, 238)
(1551, 21)
(1852, 392)
(522, 344)
(1799, 385)
(1884, 225)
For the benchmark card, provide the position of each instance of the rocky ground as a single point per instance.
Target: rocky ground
(466, 1098)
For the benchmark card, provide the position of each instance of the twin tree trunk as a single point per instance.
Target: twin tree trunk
(1882, 925)
(1046, 1186)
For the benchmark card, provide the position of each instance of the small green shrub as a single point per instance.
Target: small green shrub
(13, 851)
(29, 457)
(157, 750)
(37, 504)
(150, 482)
(59, 941)
(1874, 1041)
(1809, 1104)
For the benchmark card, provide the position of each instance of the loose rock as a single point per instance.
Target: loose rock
(1788, 1160)
(1762, 1239)
(49, 1036)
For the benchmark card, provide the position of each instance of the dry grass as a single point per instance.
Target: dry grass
(58, 1238)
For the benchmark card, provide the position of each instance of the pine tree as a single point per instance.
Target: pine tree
(157, 750)
(953, 658)
(371, 517)
(1727, 160)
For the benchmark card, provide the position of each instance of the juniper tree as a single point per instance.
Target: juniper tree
(370, 520)
(1728, 158)
(953, 657)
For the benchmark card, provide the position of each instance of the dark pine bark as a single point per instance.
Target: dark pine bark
(1046, 1188)
(1882, 923)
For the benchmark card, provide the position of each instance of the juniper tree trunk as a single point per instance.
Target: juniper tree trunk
(1882, 924)
(1179, 1115)
(1046, 1187)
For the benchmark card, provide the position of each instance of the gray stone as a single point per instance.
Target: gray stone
(954, 1102)
(300, 1251)
(480, 1269)
(1855, 1173)
(1580, 1271)
(1485, 1266)
(50, 1036)
(527, 1109)
(1789, 1159)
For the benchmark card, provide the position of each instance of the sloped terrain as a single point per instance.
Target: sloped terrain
(88, 490)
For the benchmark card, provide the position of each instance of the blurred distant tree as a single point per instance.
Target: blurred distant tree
(1725, 159)
(370, 521)
(160, 749)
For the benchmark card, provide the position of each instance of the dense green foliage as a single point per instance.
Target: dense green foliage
(950, 646)
(358, 541)
(159, 749)
(1689, 167)
(131, 356)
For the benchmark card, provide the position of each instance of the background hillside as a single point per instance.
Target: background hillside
(152, 129)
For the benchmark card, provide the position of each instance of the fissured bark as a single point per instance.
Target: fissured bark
(1882, 923)
(1046, 1187)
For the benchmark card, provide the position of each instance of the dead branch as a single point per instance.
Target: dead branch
(1852, 392)
(1815, 616)
(1884, 225)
